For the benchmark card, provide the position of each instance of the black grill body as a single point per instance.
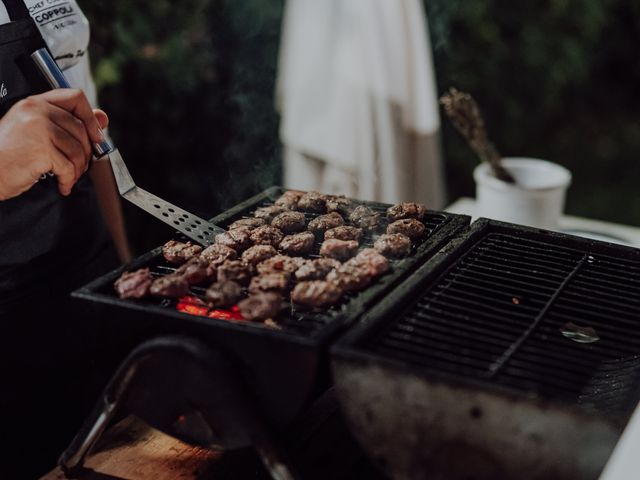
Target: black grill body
(469, 369)
(281, 366)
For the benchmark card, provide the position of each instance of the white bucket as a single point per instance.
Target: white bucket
(536, 199)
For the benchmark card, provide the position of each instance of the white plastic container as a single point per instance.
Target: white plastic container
(536, 199)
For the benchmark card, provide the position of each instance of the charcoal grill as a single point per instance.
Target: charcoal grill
(467, 370)
(282, 366)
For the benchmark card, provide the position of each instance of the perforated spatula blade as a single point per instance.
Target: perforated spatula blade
(197, 229)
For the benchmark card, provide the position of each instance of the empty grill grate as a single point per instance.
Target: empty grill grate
(501, 312)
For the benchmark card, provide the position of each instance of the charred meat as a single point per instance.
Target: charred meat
(250, 223)
(289, 199)
(350, 277)
(272, 282)
(261, 306)
(134, 284)
(267, 235)
(316, 269)
(269, 213)
(345, 232)
(280, 263)
(178, 252)
(170, 286)
(234, 271)
(238, 239)
(217, 254)
(313, 202)
(258, 254)
(322, 223)
(365, 218)
(297, 244)
(223, 294)
(412, 228)
(340, 204)
(197, 270)
(406, 210)
(317, 293)
(341, 250)
(290, 222)
(394, 245)
(374, 263)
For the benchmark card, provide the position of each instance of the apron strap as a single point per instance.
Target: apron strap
(17, 9)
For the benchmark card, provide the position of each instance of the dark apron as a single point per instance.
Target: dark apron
(49, 245)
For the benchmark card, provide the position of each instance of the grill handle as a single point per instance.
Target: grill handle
(49, 68)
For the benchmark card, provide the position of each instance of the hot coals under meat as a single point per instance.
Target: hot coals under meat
(305, 251)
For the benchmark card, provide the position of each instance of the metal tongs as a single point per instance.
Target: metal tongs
(197, 229)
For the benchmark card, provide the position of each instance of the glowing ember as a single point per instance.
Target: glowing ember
(233, 314)
(195, 306)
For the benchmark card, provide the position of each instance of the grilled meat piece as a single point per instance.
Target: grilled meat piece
(272, 282)
(280, 263)
(313, 202)
(289, 199)
(412, 228)
(406, 210)
(178, 252)
(372, 261)
(321, 224)
(223, 294)
(197, 270)
(316, 269)
(318, 293)
(170, 286)
(217, 254)
(257, 254)
(237, 239)
(340, 204)
(394, 245)
(365, 218)
(298, 243)
(290, 222)
(134, 284)
(234, 271)
(339, 249)
(250, 223)
(261, 306)
(267, 235)
(269, 213)
(350, 277)
(345, 232)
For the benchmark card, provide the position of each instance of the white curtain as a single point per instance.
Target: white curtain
(357, 96)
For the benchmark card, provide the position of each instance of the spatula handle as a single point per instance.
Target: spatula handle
(49, 68)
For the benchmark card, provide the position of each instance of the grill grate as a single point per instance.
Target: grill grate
(497, 314)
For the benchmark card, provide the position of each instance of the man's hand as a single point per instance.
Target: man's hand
(51, 132)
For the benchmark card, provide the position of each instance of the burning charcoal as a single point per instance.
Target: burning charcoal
(345, 232)
(298, 243)
(237, 239)
(321, 224)
(269, 213)
(170, 286)
(280, 263)
(178, 252)
(234, 271)
(289, 199)
(134, 284)
(197, 270)
(290, 222)
(272, 282)
(339, 249)
(406, 210)
(365, 218)
(313, 202)
(350, 277)
(261, 306)
(373, 262)
(258, 254)
(223, 294)
(340, 204)
(266, 235)
(217, 254)
(316, 294)
(250, 223)
(316, 269)
(412, 228)
(394, 245)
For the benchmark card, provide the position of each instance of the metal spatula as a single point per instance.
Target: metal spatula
(199, 230)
